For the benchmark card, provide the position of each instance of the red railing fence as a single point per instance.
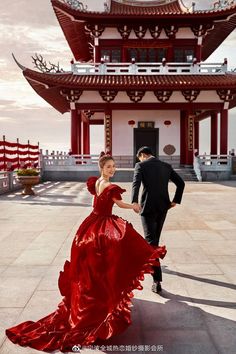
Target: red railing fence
(16, 155)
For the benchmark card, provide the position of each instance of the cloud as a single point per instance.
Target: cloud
(38, 125)
(18, 95)
(8, 119)
(8, 102)
(25, 41)
(225, 51)
(33, 12)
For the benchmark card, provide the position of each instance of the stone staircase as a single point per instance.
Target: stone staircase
(126, 174)
(187, 173)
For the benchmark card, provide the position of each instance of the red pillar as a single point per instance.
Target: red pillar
(190, 139)
(199, 50)
(79, 129)
(182, 137)
(75, 132)
(108, 130)
(199, 53)
(86, 138)
(97, 55)
(196, 137)
(214, 133)
(186, 138)
(224, 132)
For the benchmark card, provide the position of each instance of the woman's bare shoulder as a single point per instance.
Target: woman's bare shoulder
(101, 185)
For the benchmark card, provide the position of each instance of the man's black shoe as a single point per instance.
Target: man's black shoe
(156, 287)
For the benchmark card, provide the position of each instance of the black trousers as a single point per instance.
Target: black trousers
(152, 227)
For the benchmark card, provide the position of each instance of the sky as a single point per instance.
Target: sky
(29, 27)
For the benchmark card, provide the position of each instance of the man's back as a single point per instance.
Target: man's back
(155, 175)
(155, 201)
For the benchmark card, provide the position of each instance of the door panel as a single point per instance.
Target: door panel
(146, 137)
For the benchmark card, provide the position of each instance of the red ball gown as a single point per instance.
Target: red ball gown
(108, 261)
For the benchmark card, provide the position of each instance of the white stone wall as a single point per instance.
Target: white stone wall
(112, 33)
(122, 133)
(184, 32)
(149, 97)
(90, 96)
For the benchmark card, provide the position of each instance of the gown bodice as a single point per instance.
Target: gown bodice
(103, 203)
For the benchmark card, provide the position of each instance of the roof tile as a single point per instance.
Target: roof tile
(122, 82)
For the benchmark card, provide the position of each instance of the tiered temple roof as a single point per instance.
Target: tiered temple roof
(49, 86)
(74, 21)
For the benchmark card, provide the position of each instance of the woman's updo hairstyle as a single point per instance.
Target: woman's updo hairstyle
(103, 158)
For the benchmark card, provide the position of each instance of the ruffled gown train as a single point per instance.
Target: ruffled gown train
(108, 261)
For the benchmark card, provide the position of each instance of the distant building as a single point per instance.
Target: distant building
(139, 71)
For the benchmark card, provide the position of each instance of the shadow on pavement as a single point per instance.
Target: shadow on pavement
(173, 328)
(200, 279)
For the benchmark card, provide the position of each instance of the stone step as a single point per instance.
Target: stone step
(126, 175)
(188, 174)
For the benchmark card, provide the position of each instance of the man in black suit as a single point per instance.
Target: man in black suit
(155, 201)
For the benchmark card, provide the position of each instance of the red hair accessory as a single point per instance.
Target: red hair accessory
(102, 153)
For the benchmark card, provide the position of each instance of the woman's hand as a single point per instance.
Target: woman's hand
(136, 208)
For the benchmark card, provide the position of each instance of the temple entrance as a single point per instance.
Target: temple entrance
(146, 137)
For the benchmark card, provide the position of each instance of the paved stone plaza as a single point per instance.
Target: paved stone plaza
(196, 312)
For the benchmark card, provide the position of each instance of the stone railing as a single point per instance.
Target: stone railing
(162, 68)
(65, 161)
(215, 162)
(8, 182)
(196, 167)
(215, 167)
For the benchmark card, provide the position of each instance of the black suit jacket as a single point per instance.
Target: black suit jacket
(155, 175)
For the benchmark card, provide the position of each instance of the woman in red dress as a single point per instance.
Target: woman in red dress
(108, 260)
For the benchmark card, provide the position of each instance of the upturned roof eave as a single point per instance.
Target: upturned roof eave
(91, 15)
(68, 80)
(73, 26)
(49, 86)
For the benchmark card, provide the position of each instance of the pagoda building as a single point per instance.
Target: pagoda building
(139, 71)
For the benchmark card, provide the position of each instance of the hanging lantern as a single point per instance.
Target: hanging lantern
(131, 123)
(167, 123)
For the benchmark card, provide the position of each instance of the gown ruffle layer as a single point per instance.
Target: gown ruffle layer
(108, 261)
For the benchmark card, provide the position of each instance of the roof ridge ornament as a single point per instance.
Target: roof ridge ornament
(106, 6)
(222, 4)
(75, 4)
(41, 64)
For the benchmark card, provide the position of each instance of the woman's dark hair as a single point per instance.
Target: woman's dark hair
(144, 150)
(103, 158)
